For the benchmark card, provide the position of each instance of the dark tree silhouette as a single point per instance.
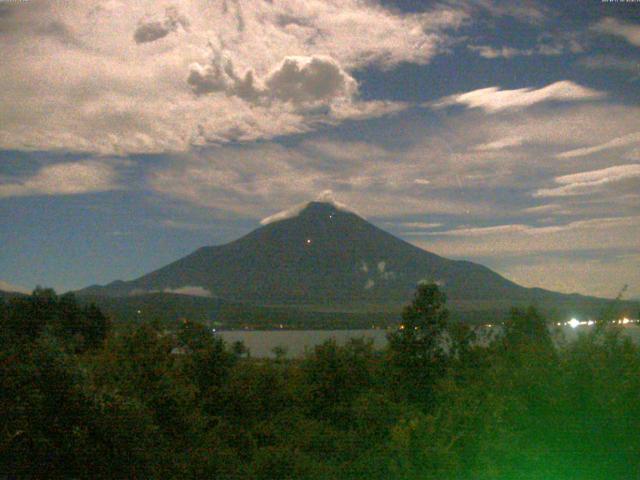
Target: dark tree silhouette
(417, 348)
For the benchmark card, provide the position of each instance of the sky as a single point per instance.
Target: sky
(506, 133)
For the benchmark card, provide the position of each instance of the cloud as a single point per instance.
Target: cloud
(551, 47)
(611, 62)
(425, 225)
(380, 181)
(594, 234)
(627, 30)
(326, 197)
(190, 290)
(130, 70)
(626, 140)
(181, 225)
(69, 178)
(150, 30)
(501, 144)
(8, 287)
(301, 80)
(543, 209)
(255, 181)
(586, 182)
(603, 275)
(487, 51)
(526, 12)
(478, 231)
(493, 99)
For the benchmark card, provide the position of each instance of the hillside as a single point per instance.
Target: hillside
(325, 258)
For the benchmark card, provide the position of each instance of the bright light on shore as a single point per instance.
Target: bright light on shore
(573, 323)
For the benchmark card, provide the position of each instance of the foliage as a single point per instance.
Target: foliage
(80, 401)
(418, 349)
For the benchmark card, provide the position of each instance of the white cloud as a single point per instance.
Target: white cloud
(549, 131)
(501, 144)
(69, 178)
(544, 209)
(190, 290)
(582, 255)
(595, 234)
(425, 225)
(630, 139)
(551, 47)
(586, 182)
(493, 99)
(258, 180)
(326, 197)
(487, 51)
(477, 231)
(129, 69)
(627, 30)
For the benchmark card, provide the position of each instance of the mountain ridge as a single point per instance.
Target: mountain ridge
(327, 257)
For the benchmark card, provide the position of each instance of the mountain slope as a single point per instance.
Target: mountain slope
(327, 257)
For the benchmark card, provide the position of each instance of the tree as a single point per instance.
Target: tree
(334, 376)
(527, 327)
(96, 326)
(417, 348)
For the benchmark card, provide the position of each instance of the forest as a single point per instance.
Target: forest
(80, 398)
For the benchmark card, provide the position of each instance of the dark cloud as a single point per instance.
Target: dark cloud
(59, 31)
(150, 30)
(309, 79)
(300, 80)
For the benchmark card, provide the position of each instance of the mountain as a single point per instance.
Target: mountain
(8, 295)
(326, 258)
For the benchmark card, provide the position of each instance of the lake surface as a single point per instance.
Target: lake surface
(262, 342)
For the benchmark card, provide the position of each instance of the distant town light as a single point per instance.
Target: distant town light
(573, 323)
(308, 241)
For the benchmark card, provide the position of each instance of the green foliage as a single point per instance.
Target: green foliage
(527, 326)
(26, 318)
(334, 377)
(417, 348)
(148, 402)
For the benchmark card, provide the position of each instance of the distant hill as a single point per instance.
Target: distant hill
(8, 295)
(169, 308)
(326, 259)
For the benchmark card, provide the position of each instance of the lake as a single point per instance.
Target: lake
(262, 342)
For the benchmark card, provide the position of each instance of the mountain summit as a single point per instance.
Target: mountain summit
(322, 255)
